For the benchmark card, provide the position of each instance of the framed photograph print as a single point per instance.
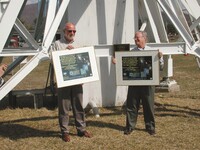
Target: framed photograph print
(137, 68)
(75, 66)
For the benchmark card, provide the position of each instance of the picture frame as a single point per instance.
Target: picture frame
(75, 66)
(137, 68)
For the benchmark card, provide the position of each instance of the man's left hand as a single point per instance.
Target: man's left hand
(160, 54)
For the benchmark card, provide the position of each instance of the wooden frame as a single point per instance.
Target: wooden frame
(137, 68)
(75, 66)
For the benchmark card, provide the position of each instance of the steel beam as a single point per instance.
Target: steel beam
(52, 31)
(152, 22)
(8, 19)
(21, 74)
(19, 27)
(176, 22)
(40, 21)
(51, 15)
(176, 8)
(192, 7)
(40, 55)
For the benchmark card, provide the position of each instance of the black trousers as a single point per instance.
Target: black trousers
(68, 97)
(136, 95)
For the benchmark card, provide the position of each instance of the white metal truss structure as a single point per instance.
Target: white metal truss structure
(9, 13)
(111, 21)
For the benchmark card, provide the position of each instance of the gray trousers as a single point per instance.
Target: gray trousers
(71, 97)
(136, 94)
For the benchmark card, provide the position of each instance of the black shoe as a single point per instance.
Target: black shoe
(151, 132)
(128, 131)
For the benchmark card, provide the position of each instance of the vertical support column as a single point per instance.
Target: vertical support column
(51, 15)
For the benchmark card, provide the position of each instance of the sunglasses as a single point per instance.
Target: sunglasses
(70, 31)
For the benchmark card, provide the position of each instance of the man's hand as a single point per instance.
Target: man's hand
(160, 54)
(113, 60)
(69, 47)
(3, 68)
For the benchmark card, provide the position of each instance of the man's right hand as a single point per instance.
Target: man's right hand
(69, 47)
(113, 60)
(3, 68)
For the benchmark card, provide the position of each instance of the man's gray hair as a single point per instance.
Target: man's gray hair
(144, 34)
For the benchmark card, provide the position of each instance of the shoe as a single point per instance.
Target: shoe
(151, 132)
(128, 131)
(85, 134)
(65, 137)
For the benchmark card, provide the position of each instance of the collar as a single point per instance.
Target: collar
(141, 49)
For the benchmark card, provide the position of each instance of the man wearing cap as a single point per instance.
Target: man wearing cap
(71, 96)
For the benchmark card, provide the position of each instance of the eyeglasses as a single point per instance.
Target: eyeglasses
(138, 37)
(70, 31)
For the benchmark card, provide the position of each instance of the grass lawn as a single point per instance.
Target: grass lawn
(177, 120)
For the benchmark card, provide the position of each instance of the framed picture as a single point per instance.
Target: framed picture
(137, 68)
(75, 66)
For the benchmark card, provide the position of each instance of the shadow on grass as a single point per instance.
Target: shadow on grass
(17, 131)
(162, 108)
(101, 124)
(28, 119)
(14, 130)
